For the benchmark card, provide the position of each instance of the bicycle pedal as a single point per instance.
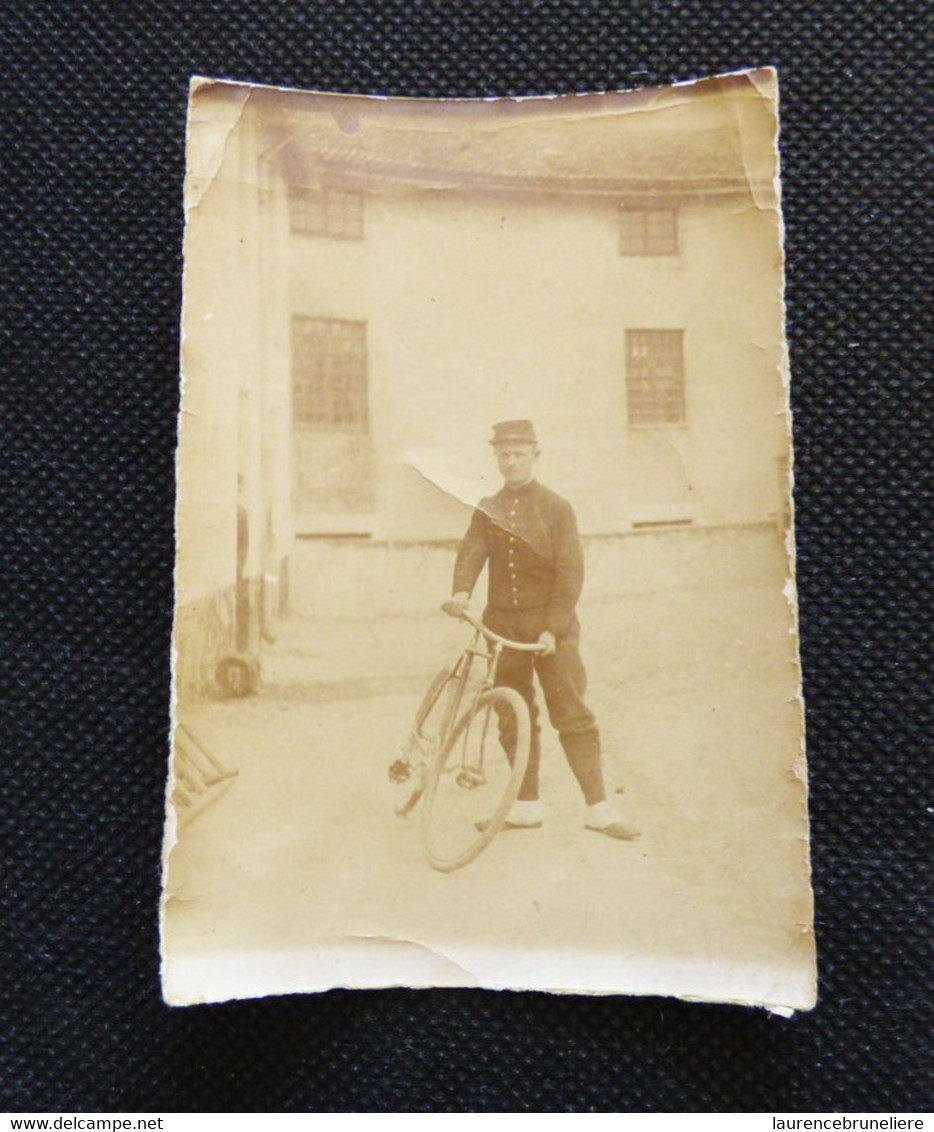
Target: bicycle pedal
(400, 771)
(470, 779)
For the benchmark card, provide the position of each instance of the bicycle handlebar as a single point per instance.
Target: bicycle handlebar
(475, 623)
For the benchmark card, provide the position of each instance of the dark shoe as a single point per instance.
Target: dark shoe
(618, 830)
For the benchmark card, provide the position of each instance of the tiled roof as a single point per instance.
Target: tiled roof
(578, 145)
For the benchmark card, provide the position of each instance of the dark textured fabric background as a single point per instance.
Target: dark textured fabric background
(94, 99)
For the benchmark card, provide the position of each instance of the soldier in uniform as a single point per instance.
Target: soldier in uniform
(536, 572)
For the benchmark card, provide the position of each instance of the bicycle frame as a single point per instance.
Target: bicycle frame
(489, 652)
(487, 647)
(442, 729)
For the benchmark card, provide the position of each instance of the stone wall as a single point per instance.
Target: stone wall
(206, 631)
(335, 578)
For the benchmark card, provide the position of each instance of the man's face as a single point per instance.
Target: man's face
(516, 460)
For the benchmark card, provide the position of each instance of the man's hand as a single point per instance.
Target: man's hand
(548, 643)
(456, 605)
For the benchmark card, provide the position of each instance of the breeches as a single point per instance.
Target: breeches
(563, 680)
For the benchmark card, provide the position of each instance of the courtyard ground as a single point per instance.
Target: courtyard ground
(300, 875)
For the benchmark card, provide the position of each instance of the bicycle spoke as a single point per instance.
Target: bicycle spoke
(473, 781)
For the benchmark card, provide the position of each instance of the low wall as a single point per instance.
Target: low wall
(361, 578)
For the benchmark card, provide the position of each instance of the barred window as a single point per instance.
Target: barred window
(329, 372)
(648, 231)
(655, 377)
(327, 212)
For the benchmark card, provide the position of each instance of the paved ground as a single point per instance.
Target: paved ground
(695, 696)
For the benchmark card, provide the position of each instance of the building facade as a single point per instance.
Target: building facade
(370, 283)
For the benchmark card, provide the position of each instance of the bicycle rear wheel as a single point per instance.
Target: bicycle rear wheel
(425, 740)
(472, 781)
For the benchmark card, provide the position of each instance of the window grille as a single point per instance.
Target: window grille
(648, 231)
(329, 373)
(655, 377)
(327, 212)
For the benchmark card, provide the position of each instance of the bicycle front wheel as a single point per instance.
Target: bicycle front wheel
(474, 779)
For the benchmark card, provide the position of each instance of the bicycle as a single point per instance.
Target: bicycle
(466, 753)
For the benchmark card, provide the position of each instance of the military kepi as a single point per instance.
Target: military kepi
(511, 432)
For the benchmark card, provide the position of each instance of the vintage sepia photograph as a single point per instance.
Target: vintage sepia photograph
(485, 666)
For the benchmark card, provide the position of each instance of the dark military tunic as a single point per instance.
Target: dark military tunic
(529, 537)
